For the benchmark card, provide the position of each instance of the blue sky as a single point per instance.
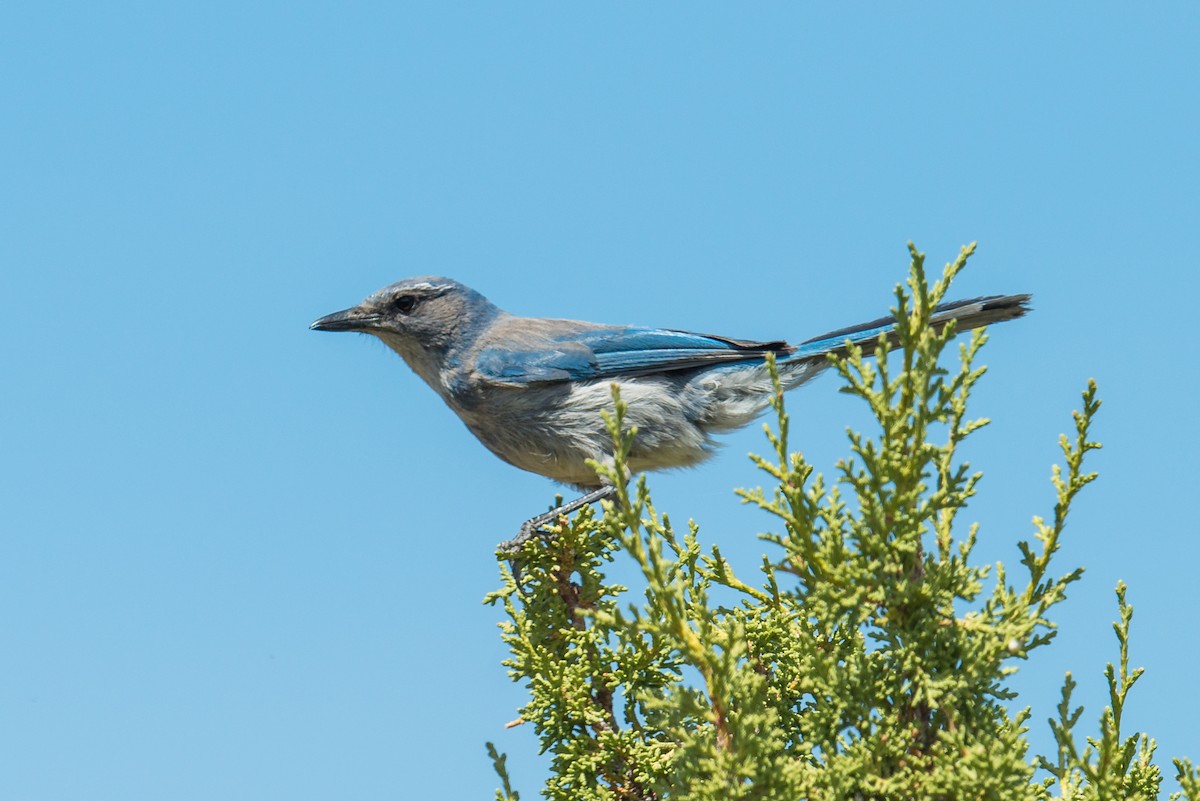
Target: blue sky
(239, 559)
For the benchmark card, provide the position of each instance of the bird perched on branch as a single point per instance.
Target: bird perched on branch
(532, 389)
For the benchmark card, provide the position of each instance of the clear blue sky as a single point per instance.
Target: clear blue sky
(242, 560)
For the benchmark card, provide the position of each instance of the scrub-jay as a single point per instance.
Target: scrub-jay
(532, 389)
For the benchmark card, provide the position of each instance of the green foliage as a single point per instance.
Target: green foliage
(869, 661)
(1110, 766)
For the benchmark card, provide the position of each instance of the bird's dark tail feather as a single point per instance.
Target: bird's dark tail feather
(972, 313)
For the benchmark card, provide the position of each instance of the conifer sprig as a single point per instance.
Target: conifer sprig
(872, 659)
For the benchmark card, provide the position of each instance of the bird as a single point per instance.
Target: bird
(532, 389)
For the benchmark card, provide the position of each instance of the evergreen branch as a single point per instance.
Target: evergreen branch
(870, 663)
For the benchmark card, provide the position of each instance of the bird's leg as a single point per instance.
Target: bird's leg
(533, 527)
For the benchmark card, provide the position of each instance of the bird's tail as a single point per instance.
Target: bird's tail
(734, 397)
(973, 313)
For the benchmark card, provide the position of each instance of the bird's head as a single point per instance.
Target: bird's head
(423, 319)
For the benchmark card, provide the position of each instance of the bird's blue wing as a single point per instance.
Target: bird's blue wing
(584, 355)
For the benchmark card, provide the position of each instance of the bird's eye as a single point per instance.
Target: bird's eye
(404, 303)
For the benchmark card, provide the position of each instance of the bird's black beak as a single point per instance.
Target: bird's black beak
(354, 319)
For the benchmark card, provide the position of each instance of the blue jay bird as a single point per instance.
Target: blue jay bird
(532, 389)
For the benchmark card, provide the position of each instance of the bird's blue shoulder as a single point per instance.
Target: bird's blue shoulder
(505, 366)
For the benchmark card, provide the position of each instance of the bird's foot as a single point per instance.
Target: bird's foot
(529, 530)
(535, 526)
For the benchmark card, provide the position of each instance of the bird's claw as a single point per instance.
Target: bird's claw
(529, 530)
